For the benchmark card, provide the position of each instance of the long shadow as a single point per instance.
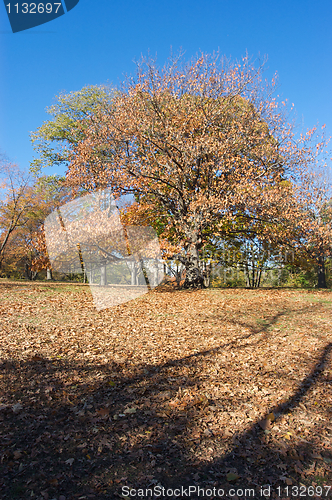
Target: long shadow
(264, 329)
(86, 431)
(255, 442)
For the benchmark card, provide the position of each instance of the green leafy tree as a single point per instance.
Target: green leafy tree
(55, 139)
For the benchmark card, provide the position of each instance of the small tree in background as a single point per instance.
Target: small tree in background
(15, 202)
(23, 253)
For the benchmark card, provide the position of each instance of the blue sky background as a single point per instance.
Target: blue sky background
(98, 40)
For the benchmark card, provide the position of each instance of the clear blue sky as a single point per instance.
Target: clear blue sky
(98, 40)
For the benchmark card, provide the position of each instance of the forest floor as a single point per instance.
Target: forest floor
(228, 391)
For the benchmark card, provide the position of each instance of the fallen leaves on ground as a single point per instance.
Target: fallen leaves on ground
(212, 387)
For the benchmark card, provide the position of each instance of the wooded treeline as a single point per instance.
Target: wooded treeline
(209, 158)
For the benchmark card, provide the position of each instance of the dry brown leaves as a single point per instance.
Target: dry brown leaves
(173, 388)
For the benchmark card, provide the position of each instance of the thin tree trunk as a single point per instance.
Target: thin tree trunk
(133, 273)
(321, 273)
(145, 275)
(27, 271)
(81, 262)
(259, 277)
(103, 274)
(207, 275)
(4, 241)
(247, 273)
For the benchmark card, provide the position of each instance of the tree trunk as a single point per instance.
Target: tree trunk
(253, 274)
(133, 273)
(194, 277)
(321, 273)
(27, 271)
(194, 271)
(247, 273)
(81, 262)
(206, 274)
(49, 274)
(259, 277)
(103, 274)
(29, 274)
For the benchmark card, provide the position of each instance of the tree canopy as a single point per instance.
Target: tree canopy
(55, 139)
(201, 141)
(204, 146)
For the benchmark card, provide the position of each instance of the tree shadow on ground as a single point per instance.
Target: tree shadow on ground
(85, 430)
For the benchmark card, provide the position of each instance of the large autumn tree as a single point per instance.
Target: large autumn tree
(198, 141)
(204, 146)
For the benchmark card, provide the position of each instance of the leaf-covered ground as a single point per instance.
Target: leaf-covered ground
(212, 389)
